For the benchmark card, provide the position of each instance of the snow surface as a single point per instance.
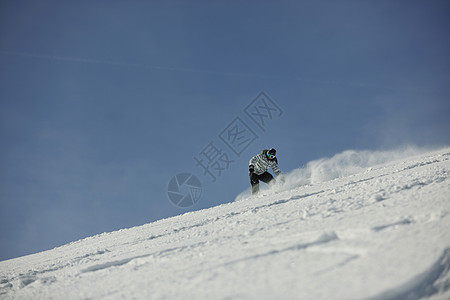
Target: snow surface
(360, 225)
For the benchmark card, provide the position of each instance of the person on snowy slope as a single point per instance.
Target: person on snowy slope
(258, 167)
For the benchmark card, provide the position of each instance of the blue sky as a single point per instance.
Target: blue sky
(103, 102)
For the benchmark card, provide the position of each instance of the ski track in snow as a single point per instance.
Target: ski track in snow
(380, 232)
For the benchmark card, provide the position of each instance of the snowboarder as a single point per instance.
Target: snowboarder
(258, 167)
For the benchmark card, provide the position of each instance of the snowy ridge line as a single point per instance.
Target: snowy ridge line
(423, 285)
(284, 201)
(279, 190)
(380, 233)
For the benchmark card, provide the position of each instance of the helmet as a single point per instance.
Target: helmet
(271, 154)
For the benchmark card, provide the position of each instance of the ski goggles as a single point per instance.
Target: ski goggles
(270, 156)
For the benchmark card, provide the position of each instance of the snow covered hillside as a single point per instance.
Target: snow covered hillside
(336, 230)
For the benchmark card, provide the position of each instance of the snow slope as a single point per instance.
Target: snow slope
(341, 228)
